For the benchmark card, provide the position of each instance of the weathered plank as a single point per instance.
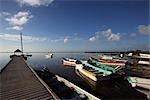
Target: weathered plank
(17, 81)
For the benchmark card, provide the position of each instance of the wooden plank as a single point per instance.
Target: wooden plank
(19, 82)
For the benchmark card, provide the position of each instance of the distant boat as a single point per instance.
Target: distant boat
(28, 55)
(69, 61)
(90, 71)
(109, 60)
(50, 55)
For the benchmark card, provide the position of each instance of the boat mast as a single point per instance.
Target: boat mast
(21, 42)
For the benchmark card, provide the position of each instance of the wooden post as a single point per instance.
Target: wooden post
(21, 42)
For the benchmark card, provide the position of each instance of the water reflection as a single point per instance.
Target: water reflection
(4, 59)
(106, 90)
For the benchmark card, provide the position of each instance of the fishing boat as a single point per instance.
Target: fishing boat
(144, 59)
(69, 61)
(109, 60)
(143, 62)
(63, 88)
(90, 71)
(113, 69)
(139, 73)
(79, 90)
(140, 67)
(147, 56)
(139, 82)
(117, 88)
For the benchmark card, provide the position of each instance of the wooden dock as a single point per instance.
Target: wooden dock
(19, 81)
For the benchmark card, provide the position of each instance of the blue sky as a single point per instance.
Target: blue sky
(75, 25)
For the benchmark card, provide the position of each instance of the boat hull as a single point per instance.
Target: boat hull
(140, 82)
(86, 73)
(112, 64)
(69, 63)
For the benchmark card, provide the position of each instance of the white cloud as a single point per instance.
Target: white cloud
(114, 37)
(4, 13)
(16, 37)
(92, 39)
(34, 3)
(15, 28)
(18, 20)
(57, 40)
(66, 39)
(143, 29)
(105, 34)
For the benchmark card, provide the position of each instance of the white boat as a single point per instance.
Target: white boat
(147, 56)
(140, 82)
(77, 89)
(144, 59)
(90, 71)
(69, 61)
(144, 62)
(130, 54)
(50, 55)
(63, 87)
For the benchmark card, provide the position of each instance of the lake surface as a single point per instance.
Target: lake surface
(38, 61)
(111, 90)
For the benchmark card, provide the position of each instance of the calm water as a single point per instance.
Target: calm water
(38, 61)
(106, 90)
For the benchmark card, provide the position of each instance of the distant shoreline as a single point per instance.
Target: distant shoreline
(114, 52)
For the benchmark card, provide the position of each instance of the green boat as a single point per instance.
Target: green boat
(90, 71)
(100, 65)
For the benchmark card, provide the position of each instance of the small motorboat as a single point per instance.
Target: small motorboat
(69, 61)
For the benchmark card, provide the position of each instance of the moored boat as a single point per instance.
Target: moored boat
(63, 88)
(139, 82)
(92, 72)
(142, 55)
(109, 60)
(105, 67)
(117, 88)
(69, 61)
(77, 89)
